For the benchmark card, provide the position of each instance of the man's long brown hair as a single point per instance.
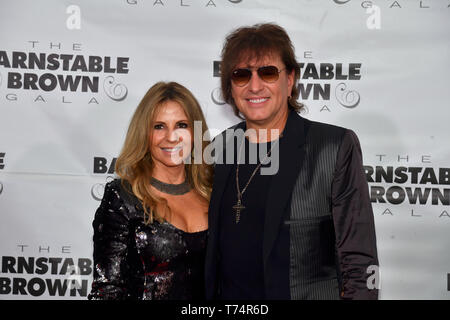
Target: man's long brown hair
(257, 42)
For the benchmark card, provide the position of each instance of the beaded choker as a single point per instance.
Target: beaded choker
(173, 189)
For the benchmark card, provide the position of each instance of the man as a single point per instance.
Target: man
(305, 231)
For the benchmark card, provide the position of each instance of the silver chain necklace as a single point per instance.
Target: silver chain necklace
(238, 207)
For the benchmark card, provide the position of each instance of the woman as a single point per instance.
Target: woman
(151, 227)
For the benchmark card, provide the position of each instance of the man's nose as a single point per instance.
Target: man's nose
(255, 83)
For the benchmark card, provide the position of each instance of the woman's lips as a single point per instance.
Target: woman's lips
(172, 149)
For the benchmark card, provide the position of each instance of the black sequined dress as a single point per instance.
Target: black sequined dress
(133, 260)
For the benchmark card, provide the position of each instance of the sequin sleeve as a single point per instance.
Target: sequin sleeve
(113, 272)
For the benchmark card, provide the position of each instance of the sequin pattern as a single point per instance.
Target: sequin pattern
(143, 262)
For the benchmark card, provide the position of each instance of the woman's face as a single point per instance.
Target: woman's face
(170, 136)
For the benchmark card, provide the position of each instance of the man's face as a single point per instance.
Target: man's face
(263, 103)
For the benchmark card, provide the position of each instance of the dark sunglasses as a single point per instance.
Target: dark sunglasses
(241, 77)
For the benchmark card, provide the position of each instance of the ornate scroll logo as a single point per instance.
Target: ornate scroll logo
(115, 91)
(347, 98)
(98, 189)
(216, 96)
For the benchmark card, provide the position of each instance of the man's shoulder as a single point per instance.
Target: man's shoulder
(321, 130)
(234, 127)
(324, 127)
(228, 132)
(325, 134)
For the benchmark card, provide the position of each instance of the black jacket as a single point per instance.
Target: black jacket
(138, 261)
(319, 235)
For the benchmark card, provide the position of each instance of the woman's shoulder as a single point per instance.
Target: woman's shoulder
(114, 185)
(118, 195)
(113, 190)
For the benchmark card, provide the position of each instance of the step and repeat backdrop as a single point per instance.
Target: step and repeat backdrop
(73, 72)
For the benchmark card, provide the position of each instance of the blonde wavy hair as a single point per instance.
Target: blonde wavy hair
(135, 165)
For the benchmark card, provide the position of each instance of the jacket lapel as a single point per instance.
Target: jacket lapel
(291, 154)
(221, 172)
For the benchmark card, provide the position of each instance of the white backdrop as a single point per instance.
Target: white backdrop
(380, 68)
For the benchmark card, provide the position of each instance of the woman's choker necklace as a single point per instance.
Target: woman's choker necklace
(172, 189)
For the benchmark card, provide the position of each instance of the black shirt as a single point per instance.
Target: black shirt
(241, 244)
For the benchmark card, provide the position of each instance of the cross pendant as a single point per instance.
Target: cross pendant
(238, 207)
